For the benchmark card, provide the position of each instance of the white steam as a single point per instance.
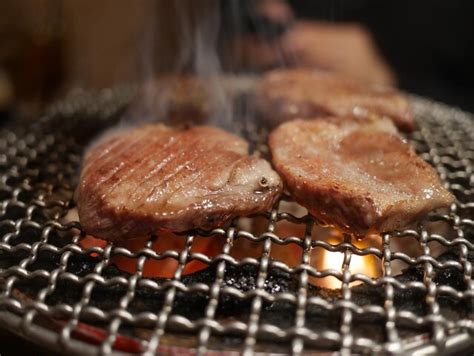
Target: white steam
(181, 42)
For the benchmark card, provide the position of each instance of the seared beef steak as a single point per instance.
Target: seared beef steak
(358, 175)
(154, 177)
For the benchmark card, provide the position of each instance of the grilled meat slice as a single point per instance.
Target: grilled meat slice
(303, 93)
(176, 98)
(154, 177)
(184, 99)
(359, 176)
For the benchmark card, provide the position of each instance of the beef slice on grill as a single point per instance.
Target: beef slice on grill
(360, 176)
(137, 181)
(178, 99)
(285, 94)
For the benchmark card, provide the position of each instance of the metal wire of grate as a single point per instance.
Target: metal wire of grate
(56, 292)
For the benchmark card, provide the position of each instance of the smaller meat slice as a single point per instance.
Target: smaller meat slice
(176, 98)
(359, 176)
(188, 99)
(285, 94)
(138, 181)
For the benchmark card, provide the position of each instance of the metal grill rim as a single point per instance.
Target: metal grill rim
(445, 139)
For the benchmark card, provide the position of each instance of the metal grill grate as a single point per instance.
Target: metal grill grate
(54, 291)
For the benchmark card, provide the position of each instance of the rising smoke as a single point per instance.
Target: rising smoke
(182, 77)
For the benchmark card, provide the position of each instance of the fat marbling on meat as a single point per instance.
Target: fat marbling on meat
(137, 181)
(284, 94)
(360, 176)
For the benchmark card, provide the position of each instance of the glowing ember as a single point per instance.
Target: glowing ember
(368, 265)
(165, 242)
(322, 259)
(291, 254)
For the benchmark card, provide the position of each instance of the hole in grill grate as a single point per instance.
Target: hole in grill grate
(422, 294)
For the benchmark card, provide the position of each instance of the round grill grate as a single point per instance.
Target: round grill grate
(57, 293)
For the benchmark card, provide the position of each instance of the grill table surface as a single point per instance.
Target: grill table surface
(48, 295)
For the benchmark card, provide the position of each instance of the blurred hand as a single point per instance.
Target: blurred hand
(347, 49)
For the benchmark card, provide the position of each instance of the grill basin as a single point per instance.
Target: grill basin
(56, 293)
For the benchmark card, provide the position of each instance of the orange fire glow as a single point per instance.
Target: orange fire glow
(368, 265)
(322, 259)
(164, 268)
(291, 254)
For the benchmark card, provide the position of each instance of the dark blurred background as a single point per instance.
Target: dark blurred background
(48, 47)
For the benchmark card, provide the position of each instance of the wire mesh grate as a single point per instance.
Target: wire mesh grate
(422, 295)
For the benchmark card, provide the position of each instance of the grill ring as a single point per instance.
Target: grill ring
(57, 294)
